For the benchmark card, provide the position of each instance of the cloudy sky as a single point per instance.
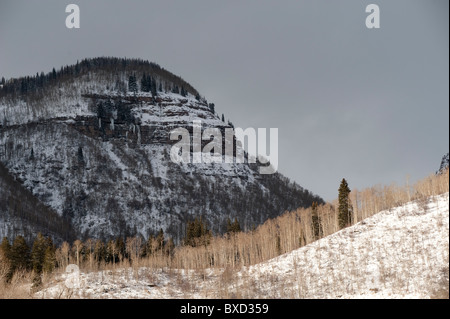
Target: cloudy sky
(370, 105)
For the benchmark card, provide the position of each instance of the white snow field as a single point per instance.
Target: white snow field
(398, 253)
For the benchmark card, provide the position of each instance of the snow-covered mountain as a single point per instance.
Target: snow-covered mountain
(91, 142)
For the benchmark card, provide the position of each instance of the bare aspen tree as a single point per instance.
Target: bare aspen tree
(77, 246)
(65, 249)
(90, 249)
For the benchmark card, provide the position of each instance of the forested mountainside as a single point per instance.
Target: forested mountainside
(23, 214)
(90, 142)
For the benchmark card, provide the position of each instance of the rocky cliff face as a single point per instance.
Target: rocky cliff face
(98, 156)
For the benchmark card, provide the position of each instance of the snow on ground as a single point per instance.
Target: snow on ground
(399, 253)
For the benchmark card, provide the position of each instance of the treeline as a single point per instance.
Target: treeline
(19, 256)
(40, 81)
(200, 249)
(42, 256)
(149, 84)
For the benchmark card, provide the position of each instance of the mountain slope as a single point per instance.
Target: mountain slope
(96, 149)
(400, 253)
(22, 214)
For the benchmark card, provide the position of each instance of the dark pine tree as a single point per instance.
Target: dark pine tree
(38, 253)
(120, 244)
(197, 233)
(316, 222)
(5, 258)
(153, 87)
(146, 83)
(5, 248)
(160, 240)
(132, 85)
(49, 259)
(80, 156)
(143, 83)
(233, 227)
(170, 247)
(38, 258)
(20, 254)
(345, 207)
(236, 227)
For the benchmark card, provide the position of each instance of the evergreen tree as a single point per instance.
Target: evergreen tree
(233, 227)
(5, 248)
(112, 253)
(5, 258)
(197, 233)
(345, 207)
(176, 89)
(20, 254)
(99, 251)
(149, 250)
(160, 240)
(143, 83)
(38, 258)
(38, 253)
(3, 81)
(121, 251)
(153, 87)
(32, 154)
(132, 85)
(223, 118)
(23, 86)
(100, 110)
(80, 156)
(316, 222)
(146, 83)
(49, 258)
(77, 68)
(212, 108)
(170, 247)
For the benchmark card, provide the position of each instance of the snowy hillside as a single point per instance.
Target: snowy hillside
(96, 150)
(400, 253)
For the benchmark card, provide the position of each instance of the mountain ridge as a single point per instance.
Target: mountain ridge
(94, 146)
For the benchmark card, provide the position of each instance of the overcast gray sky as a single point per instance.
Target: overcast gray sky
(368, 105)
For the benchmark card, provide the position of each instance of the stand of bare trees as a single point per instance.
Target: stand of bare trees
(235, 249)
